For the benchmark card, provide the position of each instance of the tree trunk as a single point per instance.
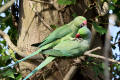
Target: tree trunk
(32, 29)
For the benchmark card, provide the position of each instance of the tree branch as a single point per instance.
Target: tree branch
(73, 69)
(88, 53)
(71, 73)
(15, 48)
(46, 25)
(6, 6)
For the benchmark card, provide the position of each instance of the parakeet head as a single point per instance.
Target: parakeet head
(84, 33)
(80, 21)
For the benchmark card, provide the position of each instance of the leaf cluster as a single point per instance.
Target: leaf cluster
(6, 55)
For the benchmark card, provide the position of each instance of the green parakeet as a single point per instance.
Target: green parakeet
(71, 47)
(60, 34)
(67, 48)
(64, 30)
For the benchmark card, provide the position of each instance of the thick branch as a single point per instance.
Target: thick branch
(14, 48)
(71, 73)
(6, 6)
(88, 53)
(102, 57)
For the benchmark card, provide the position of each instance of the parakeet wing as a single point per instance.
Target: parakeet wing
(57, 34)
(68, 48)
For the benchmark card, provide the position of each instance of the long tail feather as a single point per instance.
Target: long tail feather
(34, 53)
(43, 64)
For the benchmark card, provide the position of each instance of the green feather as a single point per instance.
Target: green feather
(67, 48)
(59, 43)
(72, 27)
(44, 63)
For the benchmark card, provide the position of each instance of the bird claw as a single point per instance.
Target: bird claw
(76, 39)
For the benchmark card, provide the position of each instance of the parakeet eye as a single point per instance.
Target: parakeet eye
(84, 23)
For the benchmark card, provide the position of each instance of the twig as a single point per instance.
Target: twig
(48, 26)
(15, 48)
(42, 1)
(102, 57)
(6, 6)
(88, 53)
(42, 20)
(71, 73)
(73, 69)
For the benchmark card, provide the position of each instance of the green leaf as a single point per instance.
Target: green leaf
(90, 59)
(12, 54)
(19, 77)
(111, 7)
(53, 26)
(3, 42)
(0, 2)
(98, 68)
(99, 29)
(66, 2)
(102, 0)
(74, 15)
(114, 1)
(5, 58)
(3, 52)
(8, 73)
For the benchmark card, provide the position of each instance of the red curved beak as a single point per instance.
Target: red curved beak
(77, 35)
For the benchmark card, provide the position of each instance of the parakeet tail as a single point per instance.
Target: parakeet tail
(27, 57)
(43, 64)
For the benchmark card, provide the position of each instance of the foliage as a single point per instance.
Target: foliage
(10, 74)
(74, 15)
(115, 7)
(53, 26)
(98, 68)
(99, 29)
(66, 2)
(5, 59)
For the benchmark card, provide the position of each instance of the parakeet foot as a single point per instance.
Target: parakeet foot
(76, 39)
